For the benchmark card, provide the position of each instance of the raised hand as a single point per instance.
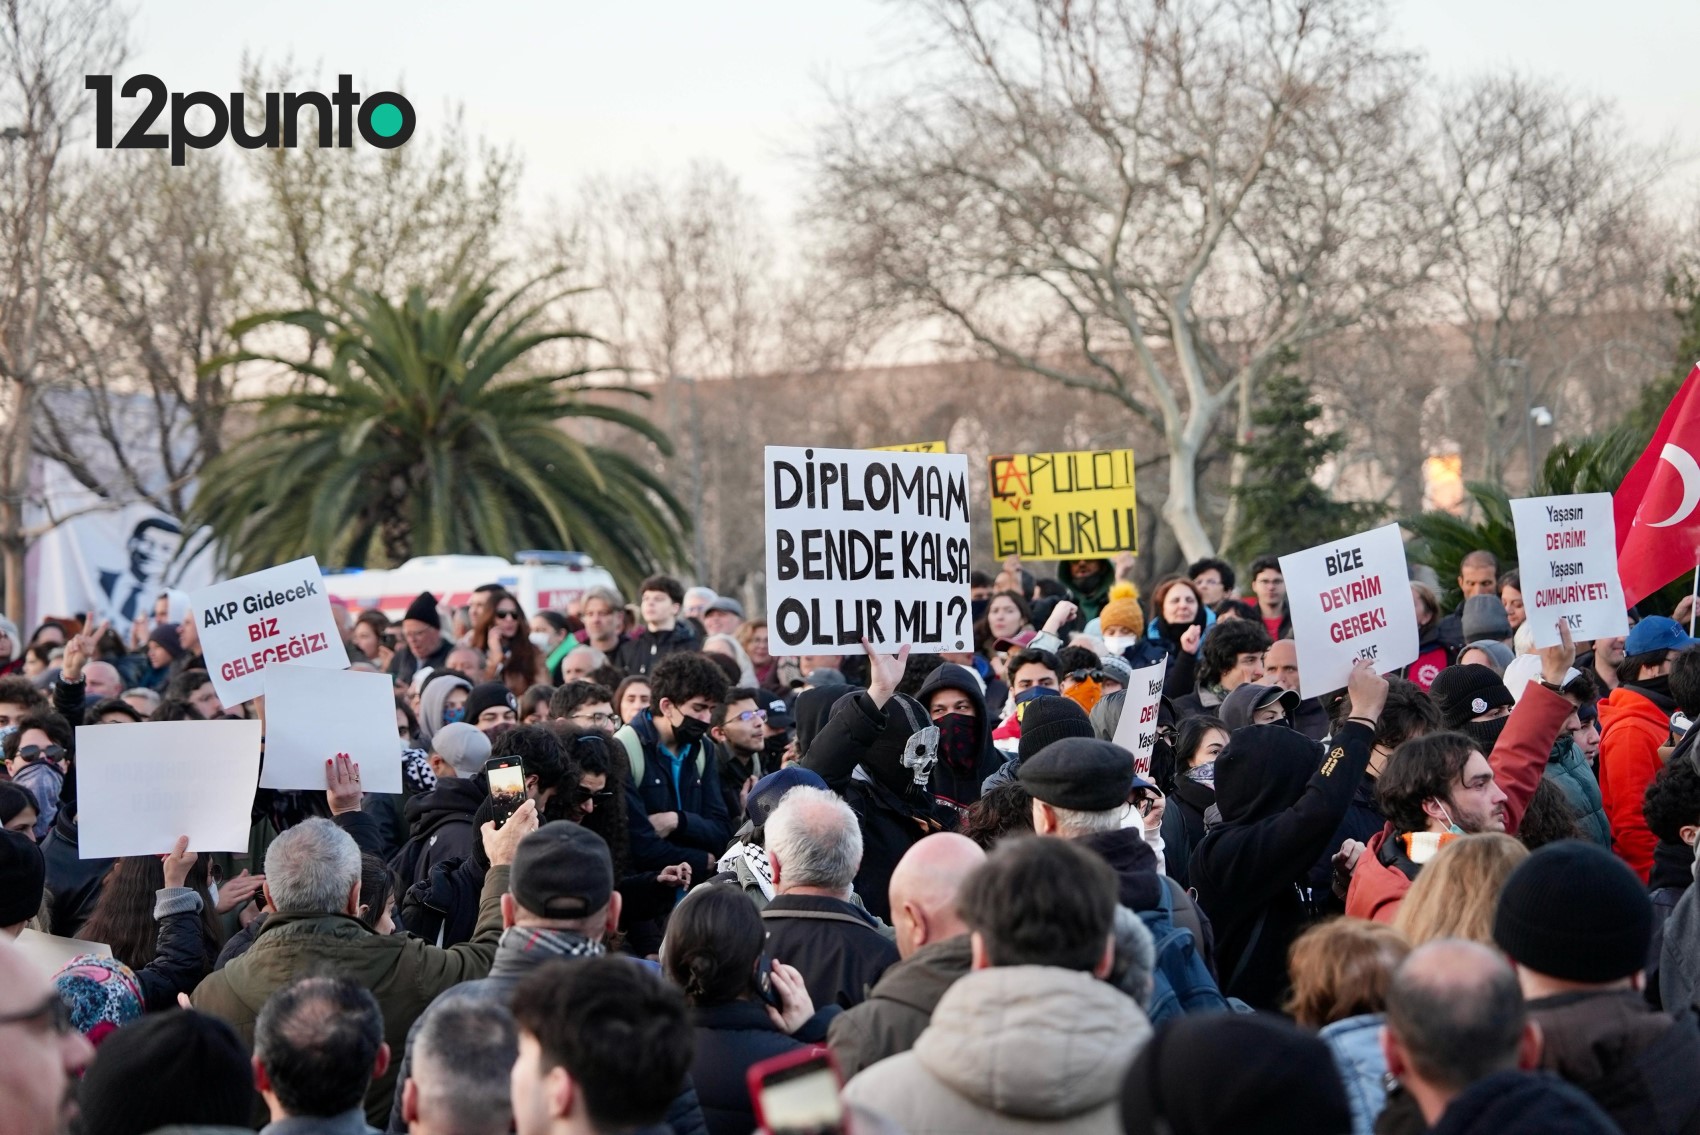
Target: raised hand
(1557, 660)
(178, 863)
(884, 672)
(79, 652)
(500, 843)
(342, 785)
(1367, 689)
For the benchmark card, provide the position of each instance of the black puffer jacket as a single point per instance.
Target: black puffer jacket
(639, 655)
(958, 781)
(729, 1039)
(894, 811)
(1281, 799)
(439, 827)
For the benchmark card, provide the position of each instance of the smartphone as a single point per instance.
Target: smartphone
(764, 982)
(507, 787)
(796, 1093)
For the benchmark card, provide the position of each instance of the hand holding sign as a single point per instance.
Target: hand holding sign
(1367, 689)
(272, 617)
(885, 671)
(1557, 660)
(1350, 601)
(1567, 561)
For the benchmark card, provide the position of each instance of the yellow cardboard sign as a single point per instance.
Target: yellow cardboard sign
(914, 447)
(1064, 506)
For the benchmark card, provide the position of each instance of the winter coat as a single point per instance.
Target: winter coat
(1523, 1103)
(732, 773)
(730, 1038)
(1013, 1050)
(1138, 881)
(1568, 768)
(1637, 1063)
(1204, 700)
(404, 974)
(703, 826)
(858, 752)
(834, 944)
(74, 882)
(899, 1007)
(640, 654)
(1673, 878)
(1281, 801)
(439, 827)
(1633, 727)
(1518, 761)
(1183, 825)
(960, 783)
(404, 665)
(1356, 1045)
(180, 949)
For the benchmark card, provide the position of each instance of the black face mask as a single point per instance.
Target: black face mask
(1659, 685)
(977, 609)
(958, 733)
(689, 730)
(1485, 733)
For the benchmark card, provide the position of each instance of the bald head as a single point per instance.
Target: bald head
(924, 888)
(1281, 664)
(103, 680)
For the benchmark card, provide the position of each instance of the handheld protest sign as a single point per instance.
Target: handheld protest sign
(1350, 599)
(914, 447)
(865, 544)
(1567, 566)
(276, 616)
(140, 786)
(1064, 506)
(313, 713)
(1137, 730)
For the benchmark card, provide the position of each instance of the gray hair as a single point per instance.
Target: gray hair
(608, 595)
(311, 868)
(1071, 824)
(816, 838)
(462, 1059)
(1136, 956)
(144, 694)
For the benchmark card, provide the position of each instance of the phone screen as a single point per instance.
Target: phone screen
(802, 1099)
(507, 787)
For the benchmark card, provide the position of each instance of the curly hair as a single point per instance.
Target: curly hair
(684, 675)
(1672, 800)
(591, 752)
(1342, 968)
(1224, 645)
(1003, 812)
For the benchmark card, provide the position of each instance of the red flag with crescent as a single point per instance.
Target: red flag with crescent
(1658, 505)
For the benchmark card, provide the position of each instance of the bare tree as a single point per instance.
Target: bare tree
(1148, 200)
(46, 48)
(1551, 222)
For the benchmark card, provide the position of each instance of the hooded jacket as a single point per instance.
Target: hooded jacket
(1140, 883)
(440, 828)
(1518, 761)
(812, 710)
(1522, 1103)
(1635, 1062)
(1281, 799)
(1092, 593)
(639, 655)
(1013, 1050)
(432, 701)
(957, 777)
(859, 753)
(404, 974)
(1633, 727)
(899, 1007)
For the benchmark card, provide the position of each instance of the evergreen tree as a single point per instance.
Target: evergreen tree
(1282, 509)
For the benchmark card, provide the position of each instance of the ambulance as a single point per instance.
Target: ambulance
(540, 580)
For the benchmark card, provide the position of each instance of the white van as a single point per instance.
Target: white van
(540, 580)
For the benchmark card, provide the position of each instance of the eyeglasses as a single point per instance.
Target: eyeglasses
(596, 718)
(36, 753)
(510, 614)
(750, 715)
(52, 1013)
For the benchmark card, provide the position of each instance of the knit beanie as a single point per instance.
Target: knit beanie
(1048, 719)
(173, 1069)
(1464, 692)
(22, 873)
(1123, 608)
(166, 635)
(486, 695)
(99, 992)
(1484, 617)
(1575, 912)
(423, 609)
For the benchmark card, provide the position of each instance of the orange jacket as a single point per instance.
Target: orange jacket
(1632, 729)
(1519, 758)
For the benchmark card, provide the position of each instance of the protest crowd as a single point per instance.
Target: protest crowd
(1452, 896)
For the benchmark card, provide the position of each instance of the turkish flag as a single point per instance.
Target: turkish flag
(1658, 505)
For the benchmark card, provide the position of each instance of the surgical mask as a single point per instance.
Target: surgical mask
(1121, 643)
(450, 716)
(1451, 828)
(539, 640)
(689, 730)
(958, 734)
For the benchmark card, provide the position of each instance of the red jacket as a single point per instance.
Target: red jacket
(1518, 759)
(1632, 730)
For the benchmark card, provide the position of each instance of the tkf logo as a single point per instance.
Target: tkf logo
(386, 119)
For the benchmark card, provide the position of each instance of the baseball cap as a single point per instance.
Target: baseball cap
(779, 714)
(1656, 632)
(824, 676)
(562, 870)
(461, 745)
(728, 604)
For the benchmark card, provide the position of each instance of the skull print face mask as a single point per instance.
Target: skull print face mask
(921, 753)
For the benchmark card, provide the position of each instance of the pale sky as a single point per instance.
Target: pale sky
(580, 88)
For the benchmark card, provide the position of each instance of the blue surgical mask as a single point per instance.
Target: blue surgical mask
(450, 716)
(1451, 827)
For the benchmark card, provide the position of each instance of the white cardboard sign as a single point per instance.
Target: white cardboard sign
(1137, 730)
(313, 714)
(865, 544)
(140, 786)
(1567, 565)
(276, 616)
(1350, 599)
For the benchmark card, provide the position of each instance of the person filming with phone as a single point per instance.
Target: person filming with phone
(745, 1006)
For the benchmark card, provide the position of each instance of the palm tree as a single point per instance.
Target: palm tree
(422, 434)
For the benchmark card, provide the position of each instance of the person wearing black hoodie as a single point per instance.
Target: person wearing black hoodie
(952, 697)
(1281, 801)
(877, 749)
(439, 820)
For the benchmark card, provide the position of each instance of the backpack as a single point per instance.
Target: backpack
(628, 737)
(1180, 981)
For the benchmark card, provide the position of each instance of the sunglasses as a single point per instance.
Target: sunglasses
(37, 753)
(507, 614)
(1093, 675)
(601, 796)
